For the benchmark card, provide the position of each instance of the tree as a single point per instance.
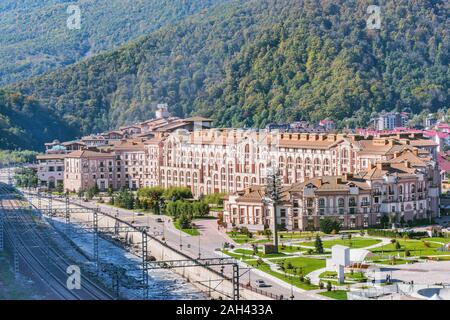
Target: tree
(268, 233)
(60, 187)
(152, 197)
(318, 245)
(329, 286)
(184, 222)
(328, 225)
(384, 221)
(177, 193)
(200, 209)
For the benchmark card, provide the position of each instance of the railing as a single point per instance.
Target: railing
(262, 292)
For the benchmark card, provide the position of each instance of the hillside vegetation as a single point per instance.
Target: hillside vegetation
(249, 63)
(34, 36)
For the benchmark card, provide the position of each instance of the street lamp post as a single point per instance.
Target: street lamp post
(273, 192)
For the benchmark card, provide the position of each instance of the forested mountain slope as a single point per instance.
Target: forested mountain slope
(248, 63)
(34, 36)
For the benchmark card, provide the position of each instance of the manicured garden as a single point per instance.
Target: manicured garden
(349, 277)
(301, 265)
(298, 281)
(354, 243)
(414, 248)
(192, 231)
(335, 294)
(246, 252)
(290, 269)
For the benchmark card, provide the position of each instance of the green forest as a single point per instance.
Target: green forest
(253, 62)
(34, 37)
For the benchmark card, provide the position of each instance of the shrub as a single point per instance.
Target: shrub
(329, 286)
(328, 225)
(318, 244)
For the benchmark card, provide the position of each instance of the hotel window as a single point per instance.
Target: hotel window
(321, 203)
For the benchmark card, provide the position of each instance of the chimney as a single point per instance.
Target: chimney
(416, 151)
(319, 182)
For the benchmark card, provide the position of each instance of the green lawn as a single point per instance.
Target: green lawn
(441, 240)
(247, 252)
(239, 238)
(348, 277)
(294, 280)
(415, 247)
(336, 294)
(306, 264)
(286, 236)
(290, 249)
(189, 231)
(354, 243)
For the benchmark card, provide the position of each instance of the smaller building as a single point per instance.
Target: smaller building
(50, 170)
(83, 169)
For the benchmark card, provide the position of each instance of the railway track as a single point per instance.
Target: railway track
(41, 255)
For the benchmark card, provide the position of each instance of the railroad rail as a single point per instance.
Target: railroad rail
(42, 256)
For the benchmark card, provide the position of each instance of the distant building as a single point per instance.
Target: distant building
(329, 125)
(94, 141)
(281, 127)
(390, 120)
(162, 111)
(430, 121)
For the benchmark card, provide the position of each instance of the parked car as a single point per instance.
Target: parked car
(159, 220)
(261, 283)
(141, 214)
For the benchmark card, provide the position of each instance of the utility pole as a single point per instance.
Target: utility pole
(96, 259)
(235, 281)
(273, 192)
(145, 265)
(2, 213)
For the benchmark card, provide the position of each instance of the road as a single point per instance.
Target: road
(204, 246)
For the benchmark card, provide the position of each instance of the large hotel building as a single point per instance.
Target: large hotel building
(352, 178)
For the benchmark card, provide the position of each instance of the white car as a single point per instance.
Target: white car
(261, 283)
(140, 214)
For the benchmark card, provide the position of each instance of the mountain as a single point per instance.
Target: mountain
(26, 124)
(249, 63)
(35, 38)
